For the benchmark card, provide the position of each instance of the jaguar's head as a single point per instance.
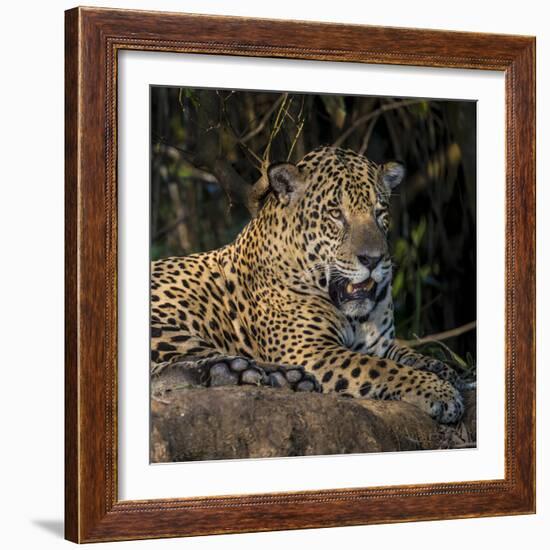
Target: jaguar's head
(335, 204)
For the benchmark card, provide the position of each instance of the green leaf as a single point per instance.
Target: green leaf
(417, 234)
(420, 109)
(398, 282)
(192, 96)
(425, 271)
(400, 250)
(454, 356)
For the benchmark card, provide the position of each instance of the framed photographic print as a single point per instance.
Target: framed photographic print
(299, 275)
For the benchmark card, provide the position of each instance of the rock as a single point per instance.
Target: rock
(470, 414)
(255, 422)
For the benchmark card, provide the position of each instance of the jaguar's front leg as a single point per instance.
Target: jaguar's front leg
(360, 375)
(180, 358)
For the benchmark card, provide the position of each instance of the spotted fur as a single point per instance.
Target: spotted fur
(281, 294)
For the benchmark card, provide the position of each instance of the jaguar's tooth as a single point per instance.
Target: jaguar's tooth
(370, 284)
(349, 288)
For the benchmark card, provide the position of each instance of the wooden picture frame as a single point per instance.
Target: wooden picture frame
(93, 39)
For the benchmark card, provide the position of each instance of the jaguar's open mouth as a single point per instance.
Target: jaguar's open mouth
(344, 290)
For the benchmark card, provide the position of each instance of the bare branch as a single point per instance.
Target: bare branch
(238, 191)
(445, 335)
(276, 127)
(366, 137)
(298, 132)
(365, 118)
(255, 131)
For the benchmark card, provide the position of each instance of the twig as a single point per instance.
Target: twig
(366, 137)
(275, 130)
(167, 228)
(298, 132)
(254, 156)
(220, 170)
(365, 118)
(261, 125)
(182, 153)
(445, 335)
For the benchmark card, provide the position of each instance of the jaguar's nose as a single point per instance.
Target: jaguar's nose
(369, 261)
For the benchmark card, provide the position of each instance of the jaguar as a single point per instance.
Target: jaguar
(302, 298)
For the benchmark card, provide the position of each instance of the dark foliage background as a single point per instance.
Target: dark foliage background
(209, 146)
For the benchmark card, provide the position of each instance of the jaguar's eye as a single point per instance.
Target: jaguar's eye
(336, 214)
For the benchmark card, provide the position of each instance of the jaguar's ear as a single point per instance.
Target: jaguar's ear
(392, 174)
(286, 181)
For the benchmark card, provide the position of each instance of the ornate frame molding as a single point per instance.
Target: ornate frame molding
(93, 38)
